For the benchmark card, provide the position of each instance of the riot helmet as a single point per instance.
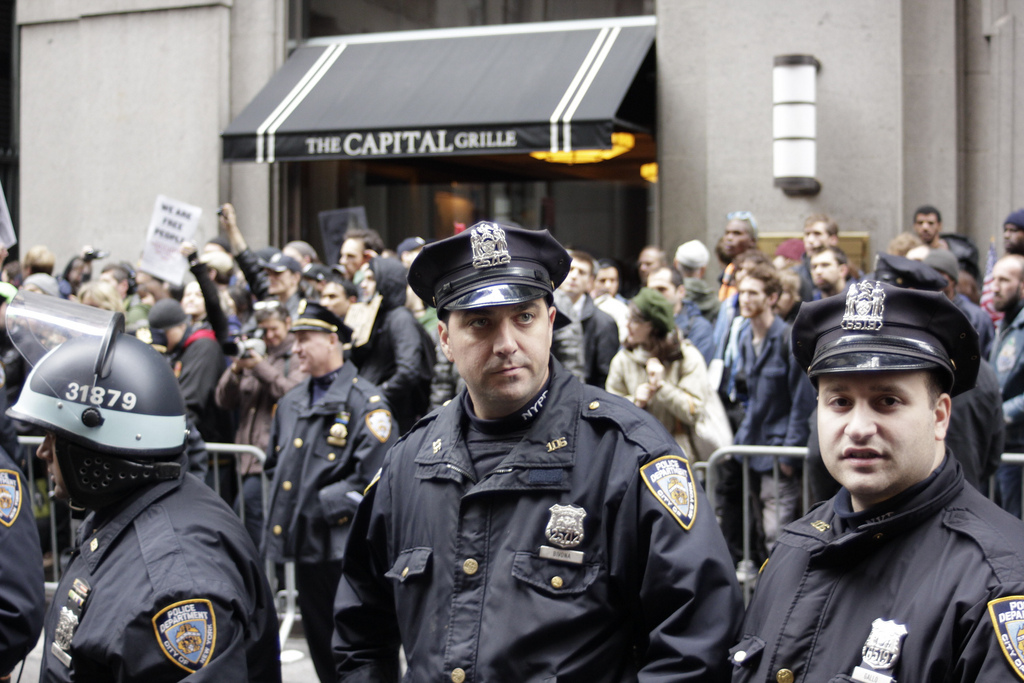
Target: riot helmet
(111, 401)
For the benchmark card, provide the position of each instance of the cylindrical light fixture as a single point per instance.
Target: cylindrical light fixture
(794, 127)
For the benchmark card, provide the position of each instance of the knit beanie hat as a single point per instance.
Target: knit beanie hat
(655, 308)
(1016, 218)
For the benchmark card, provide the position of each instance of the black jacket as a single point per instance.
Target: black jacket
(399, 356)
(176, 591)
(600, 342)
(317, 484)
(466, 573)
(937, 565)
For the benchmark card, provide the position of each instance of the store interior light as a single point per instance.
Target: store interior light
(649, 172)
(621, 143)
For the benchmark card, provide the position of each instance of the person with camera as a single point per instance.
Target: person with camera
(259, 375)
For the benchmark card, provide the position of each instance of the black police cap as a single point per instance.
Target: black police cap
(878, 327)
(489, 264)
(313, 317)
(902, 272)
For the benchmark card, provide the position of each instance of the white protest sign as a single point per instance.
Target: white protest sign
(7, 236)
(172, 224)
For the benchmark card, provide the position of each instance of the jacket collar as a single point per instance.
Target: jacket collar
(336, 394)
(548, 444)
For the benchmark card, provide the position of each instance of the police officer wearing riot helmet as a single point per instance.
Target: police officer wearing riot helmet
(164, 583)
(534, 528)
(908, 573)
(328, 438)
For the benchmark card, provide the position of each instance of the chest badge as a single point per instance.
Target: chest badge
(670, 479)
(1008, 620)
(10, 496)
(565, 528)
(187, 633)
(880, 652)
(68, 620)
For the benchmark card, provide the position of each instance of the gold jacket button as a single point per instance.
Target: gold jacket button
(405, 572)
(458, 676)
(594, 405)
(470, 566)
(297, 443)
(784, 676)
(331, 456)
(739, 656)
(287, 486)
(277, 529)
(556, 582)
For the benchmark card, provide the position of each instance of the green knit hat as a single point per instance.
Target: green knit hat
(655, 308)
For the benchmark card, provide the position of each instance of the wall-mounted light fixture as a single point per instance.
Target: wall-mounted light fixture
(794, 124)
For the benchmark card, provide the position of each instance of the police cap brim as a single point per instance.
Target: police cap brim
(497, 295)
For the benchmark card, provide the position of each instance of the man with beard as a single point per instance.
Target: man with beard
(1008, 360)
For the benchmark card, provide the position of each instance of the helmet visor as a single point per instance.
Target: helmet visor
(38, 323)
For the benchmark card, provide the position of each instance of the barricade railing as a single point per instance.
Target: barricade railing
(286, 604)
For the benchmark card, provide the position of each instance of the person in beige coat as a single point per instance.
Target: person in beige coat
(658, 371)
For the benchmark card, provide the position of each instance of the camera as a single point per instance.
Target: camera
(247, 348)
(93, 254)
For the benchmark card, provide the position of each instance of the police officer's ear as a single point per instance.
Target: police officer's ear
(442, 337)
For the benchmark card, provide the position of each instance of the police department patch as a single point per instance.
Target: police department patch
(669, 478)
(379, 423)
(187, 633)
(10, 496)
(1008, 620)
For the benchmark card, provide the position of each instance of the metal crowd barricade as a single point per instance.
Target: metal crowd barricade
(286, 596)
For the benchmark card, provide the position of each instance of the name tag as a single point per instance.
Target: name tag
(561, 555)
(867, 676)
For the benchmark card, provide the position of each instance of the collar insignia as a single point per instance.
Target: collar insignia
(565, 528)
(490, 247)
(671, 481)
(187, 633)
(880, 652)
(865, 305)
(10, 496)
(1008, 620)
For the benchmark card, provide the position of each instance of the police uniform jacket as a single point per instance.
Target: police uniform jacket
(944, 563)
(317, 483)
(164, 585)
(21, 569)
(456, 566)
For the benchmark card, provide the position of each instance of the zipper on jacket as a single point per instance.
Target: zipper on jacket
(461, 471)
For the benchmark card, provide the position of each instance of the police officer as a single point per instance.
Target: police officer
(164, 583)
(21, 568)
(534, 528)
(328, 438)
(908, 573)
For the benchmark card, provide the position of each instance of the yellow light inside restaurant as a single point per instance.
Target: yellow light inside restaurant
(649, 172)
(621, 143)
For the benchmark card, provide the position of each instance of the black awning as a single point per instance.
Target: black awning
(513, 88)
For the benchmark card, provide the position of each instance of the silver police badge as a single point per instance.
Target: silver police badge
(865, 304)
(65, 631)
(880, 652)
(565, 528)
(490, 248)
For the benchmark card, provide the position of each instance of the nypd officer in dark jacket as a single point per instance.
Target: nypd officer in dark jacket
(164, 583)
(908, 574)
(534, 528)
(329, 437)
(21, 568)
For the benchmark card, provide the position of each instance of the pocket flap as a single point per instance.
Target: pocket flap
(747, 652)
(410, 563)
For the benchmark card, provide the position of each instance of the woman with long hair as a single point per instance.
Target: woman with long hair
(660, 372)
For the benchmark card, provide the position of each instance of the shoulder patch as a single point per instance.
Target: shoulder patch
(671, 481)
(379, 423)
(1008, 620)
(10, 496)
(187, 633)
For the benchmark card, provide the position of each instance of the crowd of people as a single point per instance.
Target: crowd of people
(393, 391)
